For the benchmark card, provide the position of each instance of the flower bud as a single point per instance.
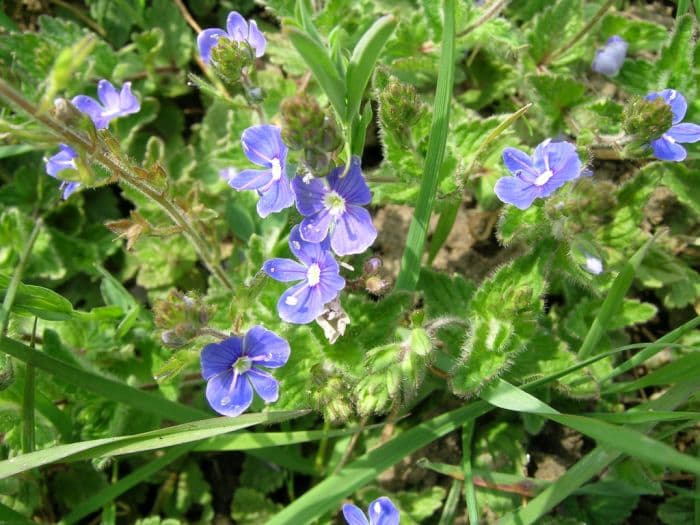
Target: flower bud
(376, 285)
(330, 395)
(180, 317)
(647, 120)
(372, 265)
(230, 59)
(399, 107)
(302, 121)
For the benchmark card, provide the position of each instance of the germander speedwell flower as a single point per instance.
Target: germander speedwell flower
(237, 29)
(336, 210)
(610, 58)
(232, 369)
(319, 275)
(112, 103)
(263, 146)
(550, 167)
(381, 512)
(666, 147)
(64, 159)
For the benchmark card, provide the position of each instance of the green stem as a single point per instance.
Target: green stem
(469, 491)
(28, 439)
(125, 174)
(578, 36)
(415, 243)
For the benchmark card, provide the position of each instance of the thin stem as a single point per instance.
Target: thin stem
(492, 10)
(578, 36)
(17, 278)
(28, 440)
(82, 16)
(469, 491)
(415, 242)
(348, 450)
(125, 174)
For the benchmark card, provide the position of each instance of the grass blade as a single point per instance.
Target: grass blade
(155, 439)
(413, 252)
(469, 491)
(449, 509)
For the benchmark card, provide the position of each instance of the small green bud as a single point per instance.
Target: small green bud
(230, 59)
(330, 395)
(7, 372)
(399, 107)
(180, 317)
(647, 120)
(302, 121)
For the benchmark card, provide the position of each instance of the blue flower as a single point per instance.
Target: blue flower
(666, 147)
(336, 207)
(610, 58)
(381, 512)
(237, 29)
(263, 146)
(319, 275)
(232, 370)
(112, 103)
(63, 160)
(550, 167)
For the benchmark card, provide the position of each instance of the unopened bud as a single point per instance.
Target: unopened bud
(372, 265)
(647, 120)
(230, 59)
(302, 121)
(399, 107)
(376, 285)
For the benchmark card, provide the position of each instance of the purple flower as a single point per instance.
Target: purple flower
(112, 104)
(338, 208)
(610, 58)
(551, 165)
(237, 29)
(381, 512)
(64, 159)
(263, 146)
(232, 370)
(666, 147)
(319, 275)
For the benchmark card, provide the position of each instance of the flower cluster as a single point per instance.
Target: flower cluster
(237, 30)
(112, 104)
(666, 147)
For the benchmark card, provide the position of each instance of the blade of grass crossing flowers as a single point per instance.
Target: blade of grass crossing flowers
(109, 388)
(593, 462)
(613, 301)
(469, 491)
(683, 368)
(155, 439)
(113, 491)
(316, 57)
(415, 242)
(624, 439)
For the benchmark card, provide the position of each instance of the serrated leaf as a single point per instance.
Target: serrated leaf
(676, 58)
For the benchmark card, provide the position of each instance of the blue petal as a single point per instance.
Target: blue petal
(67, 188)
(263, 143)
(300, 304)
(519, 161)
(266, 347)
(276, 197)
(128, 103)
(64, 159)
(570, 170)
(236, 26)
(353, 232)
(306, 252)
(553, 155)
(250, 179)
(352, 187)
(315, 227)
(206, 40)
(383, 512)
(666, 149)
(264, 384)
(609, 60)
(256, 39)
(229, 395)
(514, 191)
(674, 99)
(686, 132)
(353, 515)
(108, 95)
(284, 270)
(309, 195)
(219, 357)
(92, 109)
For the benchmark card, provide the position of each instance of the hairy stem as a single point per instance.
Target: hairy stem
(101, 154)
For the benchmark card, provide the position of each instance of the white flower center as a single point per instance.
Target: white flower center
(276, 169)
(335, 204)
(543, 178)
(242, 365)
(313, 274)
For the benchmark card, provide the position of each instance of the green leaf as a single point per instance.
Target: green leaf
(324, 71)
(683, 183)
(155, 439)
(38, 301)
(362, 62)
(553, 26)
(680, 369)
(557, 93)
(676, 59)
(640, 34)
